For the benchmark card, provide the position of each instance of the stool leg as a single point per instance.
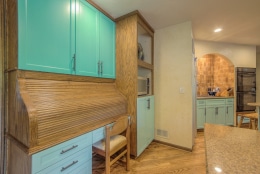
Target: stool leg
(253, 123)
(240, 121)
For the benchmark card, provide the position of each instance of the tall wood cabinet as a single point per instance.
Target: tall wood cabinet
(133, 30)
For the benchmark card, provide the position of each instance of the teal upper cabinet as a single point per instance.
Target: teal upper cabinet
(87, 40)
(107, 47)
(65, 36)
(95, 42)
(45, 35)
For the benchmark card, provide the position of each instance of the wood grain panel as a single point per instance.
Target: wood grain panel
(60, 110)
(18, 161)
(12, 34)
(126, 78)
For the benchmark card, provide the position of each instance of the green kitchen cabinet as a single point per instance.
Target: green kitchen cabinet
(230, 111)
(45, 35)
(69, 37)
(145, 122)
(95, 43)
(201, 113)
(215, 111)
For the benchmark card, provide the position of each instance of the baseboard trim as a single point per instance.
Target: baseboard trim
(173, 145)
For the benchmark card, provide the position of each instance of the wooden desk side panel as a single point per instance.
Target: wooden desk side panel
(17, 120)
(17, 160)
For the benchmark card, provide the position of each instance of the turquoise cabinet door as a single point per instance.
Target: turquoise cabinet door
(145, 122)
(229, 115)
(210, 114)
(201, 113)
(107, 46)
(45, 34)
(141, 125)
(220, 115)
(87, 40)
(150, 120)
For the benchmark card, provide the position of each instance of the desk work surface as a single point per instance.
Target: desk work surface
(232, 149)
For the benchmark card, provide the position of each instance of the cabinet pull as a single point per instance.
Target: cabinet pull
(64, 151)
(205, 111)
(74, 62)
(101, 68)
(68, 166)
(98, 67)
(227, 109)
(148, 102)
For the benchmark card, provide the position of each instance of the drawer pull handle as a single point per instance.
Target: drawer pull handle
(64, 151)
(68, 166)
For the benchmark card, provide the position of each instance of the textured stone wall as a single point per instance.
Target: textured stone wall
(214, 71)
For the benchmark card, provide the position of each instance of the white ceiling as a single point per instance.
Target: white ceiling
(240, 19)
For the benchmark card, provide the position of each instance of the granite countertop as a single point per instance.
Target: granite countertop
(232, 149)
(209, 97)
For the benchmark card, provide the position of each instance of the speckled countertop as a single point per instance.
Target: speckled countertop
(209, 97)
(232, 149)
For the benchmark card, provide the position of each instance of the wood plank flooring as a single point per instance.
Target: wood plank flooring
(161, 159)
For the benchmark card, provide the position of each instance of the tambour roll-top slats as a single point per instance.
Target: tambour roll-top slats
(63, 109)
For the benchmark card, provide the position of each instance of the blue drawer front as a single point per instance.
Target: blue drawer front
(56, 153)
(98, 134)
(80, 162)
(213, 102)
(230, 101)
(201, 102)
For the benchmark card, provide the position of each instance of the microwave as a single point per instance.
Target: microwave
(143, 85)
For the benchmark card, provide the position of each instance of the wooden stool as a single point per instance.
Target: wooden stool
(253, 120)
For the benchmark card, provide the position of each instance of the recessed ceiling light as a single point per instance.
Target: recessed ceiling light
(218, 30)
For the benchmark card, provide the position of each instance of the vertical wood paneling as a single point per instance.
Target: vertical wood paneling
(18, 161)
(126, 60)
(2, 120)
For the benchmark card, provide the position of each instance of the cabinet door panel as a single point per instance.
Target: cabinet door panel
(150, 120)
(44, 35)
(141, 125)
(220, 115)
(229, 115)
(210, 115)
(87, 40)
(200, 117)
(107, 46)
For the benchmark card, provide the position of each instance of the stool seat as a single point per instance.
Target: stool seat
(253, 120)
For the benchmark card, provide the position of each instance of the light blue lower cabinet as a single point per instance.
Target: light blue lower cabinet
(145, 122)
(215, 111)
(72, 156)
(78, 163)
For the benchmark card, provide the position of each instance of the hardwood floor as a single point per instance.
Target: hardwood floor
(161, 159)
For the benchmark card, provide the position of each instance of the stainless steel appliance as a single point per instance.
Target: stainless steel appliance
(246, 88)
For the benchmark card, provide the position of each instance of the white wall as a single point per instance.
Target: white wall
(258, 77)
(173, 70)
(239, 55)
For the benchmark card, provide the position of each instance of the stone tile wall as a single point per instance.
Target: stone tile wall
(214, 71)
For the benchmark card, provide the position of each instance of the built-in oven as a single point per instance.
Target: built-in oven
(246, 88)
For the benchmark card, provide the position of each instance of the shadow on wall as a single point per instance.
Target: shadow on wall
(215, 71)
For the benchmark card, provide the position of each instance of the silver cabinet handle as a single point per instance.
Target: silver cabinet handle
(68, 166)
(64, 151)
(227, 109)
(149, 103)
(74, 62)
(101, 67)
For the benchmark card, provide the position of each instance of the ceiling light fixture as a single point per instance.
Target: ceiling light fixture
(218, 30)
